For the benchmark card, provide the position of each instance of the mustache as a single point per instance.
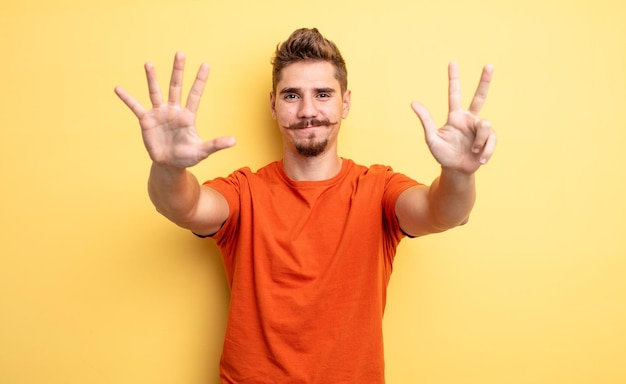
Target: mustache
(309, 123)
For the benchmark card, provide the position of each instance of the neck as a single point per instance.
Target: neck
(322, 167)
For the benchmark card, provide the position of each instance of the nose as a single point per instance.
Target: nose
(307, 108)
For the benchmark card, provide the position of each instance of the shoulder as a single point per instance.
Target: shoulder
(392, 182)
(355, 168)
(244, 174)
(381, 171)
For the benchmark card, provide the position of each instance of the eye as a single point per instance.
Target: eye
(324, 95)
(290, 96)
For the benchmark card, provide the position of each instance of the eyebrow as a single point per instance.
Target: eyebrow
(299, 90)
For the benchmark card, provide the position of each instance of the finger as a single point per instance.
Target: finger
(130, 102)
(485, 142)
(212, 146)
(153, 86)
(198, 87)
(489, 148)
(426, 119)
(454, 87)
(176, 81)
(482, 130)
(481, 91)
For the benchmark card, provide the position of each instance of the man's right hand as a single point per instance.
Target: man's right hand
(168, 130)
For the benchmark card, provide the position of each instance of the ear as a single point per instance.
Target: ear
(273, 105)
(346, 103)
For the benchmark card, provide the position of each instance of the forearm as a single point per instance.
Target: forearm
(451, 198)
(175, 192)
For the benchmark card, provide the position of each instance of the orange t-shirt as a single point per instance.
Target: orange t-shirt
(308, 265)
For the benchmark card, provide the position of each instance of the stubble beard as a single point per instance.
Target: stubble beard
(312, 148)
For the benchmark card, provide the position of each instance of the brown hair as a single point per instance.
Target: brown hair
(308, 44)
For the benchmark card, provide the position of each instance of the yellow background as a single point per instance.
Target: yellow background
(96, 287)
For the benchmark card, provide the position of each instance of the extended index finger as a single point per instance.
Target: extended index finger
(197, 88)
(454, 87)
(481, 91)
(153, 85)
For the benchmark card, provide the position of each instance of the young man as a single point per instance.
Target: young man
(308, 241)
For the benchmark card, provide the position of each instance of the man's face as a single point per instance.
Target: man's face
(308, 106)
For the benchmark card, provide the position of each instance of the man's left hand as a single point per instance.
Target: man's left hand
(466, 141)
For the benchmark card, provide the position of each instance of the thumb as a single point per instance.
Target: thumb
(425, 118)
(212, 146)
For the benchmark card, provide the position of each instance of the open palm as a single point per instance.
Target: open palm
(168, 129)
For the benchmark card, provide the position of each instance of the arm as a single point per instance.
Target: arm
(177, 195)
(461, 146)
(173, 143)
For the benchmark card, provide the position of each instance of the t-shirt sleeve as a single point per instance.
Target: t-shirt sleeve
(395, 184)
(230, 187)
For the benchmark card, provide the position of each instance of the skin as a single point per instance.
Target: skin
(308, 106)
(461, 147)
